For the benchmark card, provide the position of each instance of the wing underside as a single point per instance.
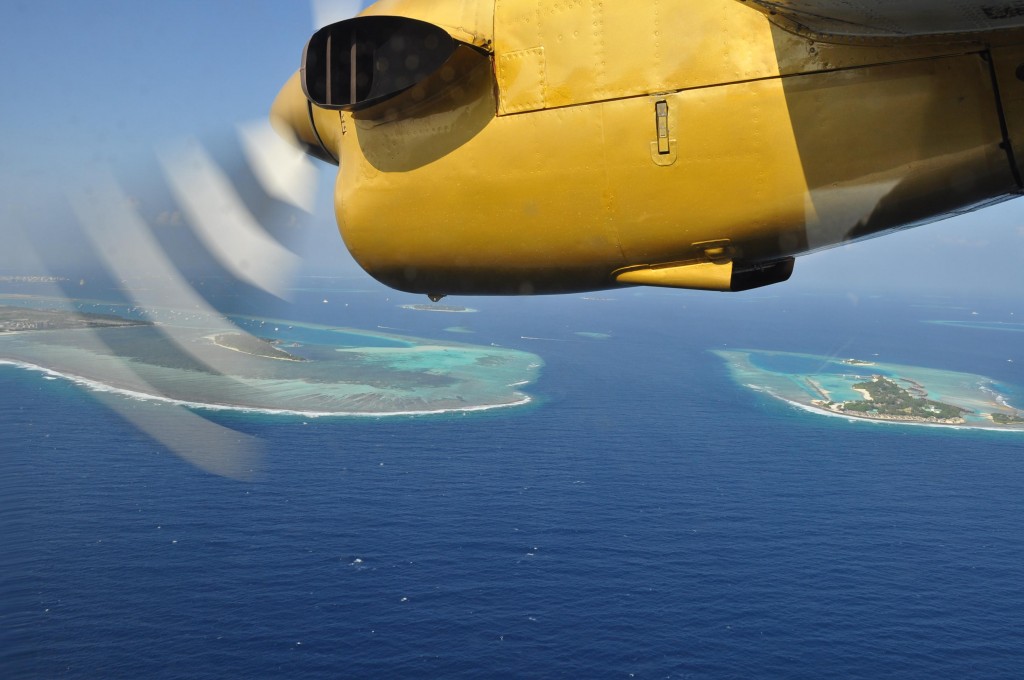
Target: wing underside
(894, 18)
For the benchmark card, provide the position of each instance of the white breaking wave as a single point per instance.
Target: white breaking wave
(97, 386)
(834, 414)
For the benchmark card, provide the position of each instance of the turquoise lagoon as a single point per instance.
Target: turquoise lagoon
(338, 371)
(808, 379)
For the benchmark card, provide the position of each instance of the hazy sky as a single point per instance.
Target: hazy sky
(104, 80)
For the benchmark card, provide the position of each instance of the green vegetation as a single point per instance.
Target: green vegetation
(889, 400)
(1007, 419)
(21, 319)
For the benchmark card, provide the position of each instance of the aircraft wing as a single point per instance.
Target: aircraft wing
(892, 18)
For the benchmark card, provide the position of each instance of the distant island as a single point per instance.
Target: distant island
(23, 319)
(891, 393)
(450, 309)
(32, 279)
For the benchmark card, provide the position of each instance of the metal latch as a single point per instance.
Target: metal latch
(661, 114)
(663, 148)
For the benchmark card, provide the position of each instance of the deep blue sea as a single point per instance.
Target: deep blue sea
(644, 517)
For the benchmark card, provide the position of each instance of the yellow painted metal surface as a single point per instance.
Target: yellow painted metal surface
(695, 276)
(596, 146)
(461, 199)
(470, 21)
(895, 19)
(1008, 65)
(315, 130)
(551, 54)
(590, 51)
(893, 145)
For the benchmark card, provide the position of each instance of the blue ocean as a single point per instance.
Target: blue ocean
(643, 516)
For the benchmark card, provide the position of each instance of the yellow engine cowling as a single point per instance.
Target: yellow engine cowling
(585, 145)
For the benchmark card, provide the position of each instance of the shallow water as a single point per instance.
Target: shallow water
(345, 371)
(805, 378)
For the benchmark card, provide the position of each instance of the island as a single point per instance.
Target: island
(889, 393)
(22, 319)
(447, 309)
(266, 366)
(32, 279)
(252, 345)
(885, 399)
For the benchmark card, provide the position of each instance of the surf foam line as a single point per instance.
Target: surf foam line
(97, 386)
(880, 421)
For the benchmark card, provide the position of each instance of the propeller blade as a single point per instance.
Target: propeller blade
(181, 241)
(227, 227)
(211, 228)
